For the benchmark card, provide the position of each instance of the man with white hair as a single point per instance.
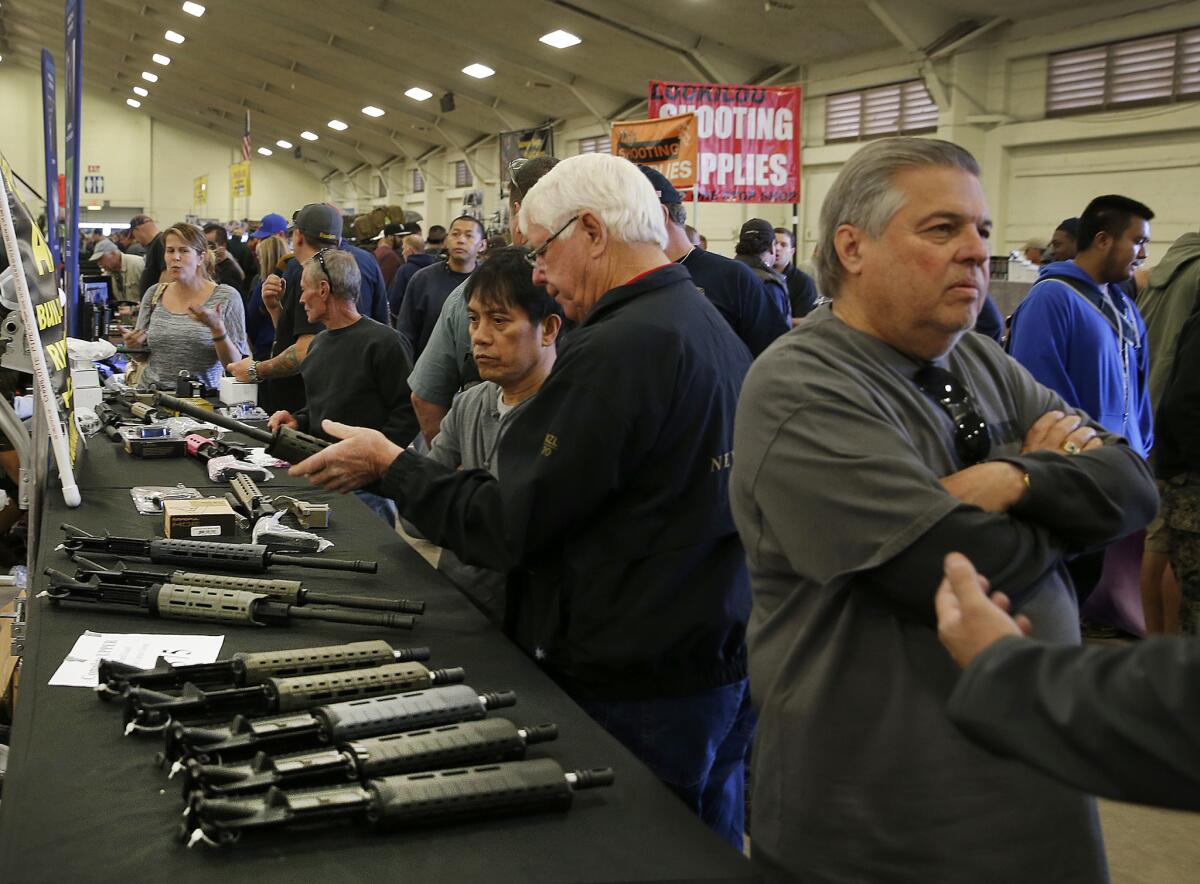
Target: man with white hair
(873, 439)
(627, 582)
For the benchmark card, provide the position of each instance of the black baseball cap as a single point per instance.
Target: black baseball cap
(667, 194)
(756, 236)
(320, 221)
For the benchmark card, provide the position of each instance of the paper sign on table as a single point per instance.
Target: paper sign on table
(81, 667)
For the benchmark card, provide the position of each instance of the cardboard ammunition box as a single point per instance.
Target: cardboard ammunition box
(169, 446)
(205, 518)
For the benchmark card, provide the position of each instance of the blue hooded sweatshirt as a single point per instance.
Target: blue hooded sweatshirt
(1092, 352)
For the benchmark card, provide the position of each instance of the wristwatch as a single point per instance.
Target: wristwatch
(252, 372)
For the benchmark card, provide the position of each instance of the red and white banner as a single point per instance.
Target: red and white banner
(749, 138)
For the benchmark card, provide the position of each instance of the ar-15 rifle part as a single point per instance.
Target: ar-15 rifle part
(285, 443)
(337, 723)
(290, 591)
(451, 745)
(206, 603)
(110, 422)
(443, 796)
(251, 668)
(152, 710)
(204, 449)
(248, 557)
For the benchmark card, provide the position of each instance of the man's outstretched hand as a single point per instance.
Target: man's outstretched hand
(361, 458)
(970, 620)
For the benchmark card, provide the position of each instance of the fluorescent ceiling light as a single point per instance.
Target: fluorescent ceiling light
(159, 58)
(308, 136)
(286, 145)
(138, 90)
(95, 208)
(193, 9)
(478, 71)
(416, 93)
(560, 39)
(133, 102)
(149, 77)
(174, 37)
(372, 111)
(265, 151)
(338, 125)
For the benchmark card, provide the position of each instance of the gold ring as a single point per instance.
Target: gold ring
(1070, 447)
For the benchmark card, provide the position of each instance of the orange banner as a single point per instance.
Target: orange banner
(667, 144)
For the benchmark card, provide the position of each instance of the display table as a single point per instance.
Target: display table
(82, 803)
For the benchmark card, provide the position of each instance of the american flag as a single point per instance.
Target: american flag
(246, 139)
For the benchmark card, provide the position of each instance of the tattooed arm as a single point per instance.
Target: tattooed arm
(286, 364)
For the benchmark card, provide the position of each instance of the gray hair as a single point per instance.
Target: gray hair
(341, 271)
(863, 195)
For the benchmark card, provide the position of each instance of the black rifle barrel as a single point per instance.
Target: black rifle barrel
(212, 417)
(285, 443)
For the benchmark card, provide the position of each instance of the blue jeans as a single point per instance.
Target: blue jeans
(696, 744)
(384, 507)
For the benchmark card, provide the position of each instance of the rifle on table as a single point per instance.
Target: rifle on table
(248, 499)
(147, 710)
(204, 449)
(290, 591)
(336, 723)
(468, 742)
(251, 668)
(443, 796)
(284, 443)
(254, 558)
(206, 603)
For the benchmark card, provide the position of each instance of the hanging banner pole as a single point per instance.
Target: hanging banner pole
(74, 87)
(44, 389)
(50, 135)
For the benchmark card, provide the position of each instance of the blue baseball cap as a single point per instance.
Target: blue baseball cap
(663, 188)
(270, 225)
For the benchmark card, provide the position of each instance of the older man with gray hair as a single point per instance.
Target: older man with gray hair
(872, 440)
(355, 367)
(627, 582)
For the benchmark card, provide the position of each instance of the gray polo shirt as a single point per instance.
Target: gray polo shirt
(858, 773)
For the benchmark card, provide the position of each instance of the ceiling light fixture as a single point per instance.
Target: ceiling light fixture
(478, 71)
(159, 58)
(372, 111)
(416, 93)
(133, 102)
(285, 145)
(193, 9)
(265, 151)
(309, 136)
(174, 37)
(94, 208)
(560, 39)
(149, 77)
(337, 125)
(138, 90)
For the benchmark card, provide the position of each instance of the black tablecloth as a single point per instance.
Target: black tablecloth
(82, 803)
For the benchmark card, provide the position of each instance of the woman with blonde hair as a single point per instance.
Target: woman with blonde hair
(273, 253)
(187, 322)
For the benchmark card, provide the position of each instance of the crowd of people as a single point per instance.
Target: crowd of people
(717, 507)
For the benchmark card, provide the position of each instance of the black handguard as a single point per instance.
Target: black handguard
(292, 592)
(451, 745)
(253, 558)
(109, 422)
(147, 710)
(208, 604)
(333, 724)
(408, 800)
(251, 668)
(285, 443)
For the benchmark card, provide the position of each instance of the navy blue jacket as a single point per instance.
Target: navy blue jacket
(739, 295)
(395, 293)
(626, 576)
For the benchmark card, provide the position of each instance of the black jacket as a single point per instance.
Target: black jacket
(1177, 424)
(626, 575)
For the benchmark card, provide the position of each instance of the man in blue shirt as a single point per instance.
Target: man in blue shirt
(1078, 333)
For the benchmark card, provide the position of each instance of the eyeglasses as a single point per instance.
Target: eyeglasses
(513, 168)
(320, 256)
(533, 256)
(972, 439)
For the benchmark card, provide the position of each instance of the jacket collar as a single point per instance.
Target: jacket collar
(615, 298)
